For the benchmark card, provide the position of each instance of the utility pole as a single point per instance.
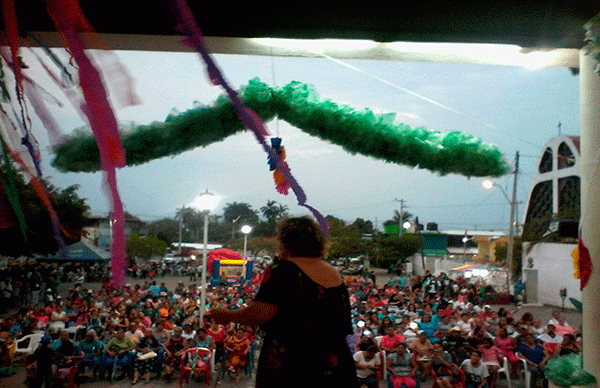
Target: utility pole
(511, 229)
(181, 227)
(401, 215)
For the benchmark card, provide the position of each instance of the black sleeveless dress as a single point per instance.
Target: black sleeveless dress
(305, 342)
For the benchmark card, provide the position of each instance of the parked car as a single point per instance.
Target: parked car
(353, 269)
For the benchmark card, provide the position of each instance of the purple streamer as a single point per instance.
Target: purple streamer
(187, 26)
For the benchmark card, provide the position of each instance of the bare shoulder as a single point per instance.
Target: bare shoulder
(332, 270)
(320, 272)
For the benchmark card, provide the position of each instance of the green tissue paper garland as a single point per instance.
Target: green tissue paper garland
(357, 131)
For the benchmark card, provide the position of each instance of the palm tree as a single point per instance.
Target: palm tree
(406, 216)
(399, 219)
(273, 211)
(283, 210)
(270, 211)
(189, 222)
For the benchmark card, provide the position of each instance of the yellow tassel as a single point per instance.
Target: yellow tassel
(575, 256)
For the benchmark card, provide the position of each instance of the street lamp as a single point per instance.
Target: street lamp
(180, 228)
(246, 229)
(488, 185)
(205, 203)
(464, 241)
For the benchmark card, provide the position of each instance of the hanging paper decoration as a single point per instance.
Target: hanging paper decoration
(12, 32)
(24, 122)
(281, 184)
(247, 116)
(585, 264)
(575, 256)
(70, 21)
(10, 188)
(275, 144)
(357, 131)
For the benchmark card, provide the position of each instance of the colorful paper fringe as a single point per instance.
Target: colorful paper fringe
(357, 131)
(70, 21)
(247, 116)
(23, 120)
(281, 184)
(585, 264)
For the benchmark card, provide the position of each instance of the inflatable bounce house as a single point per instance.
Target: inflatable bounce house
(228, 267)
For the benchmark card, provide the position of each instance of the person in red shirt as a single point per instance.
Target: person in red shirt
(218, 334)
(392, 338)
(375, 301)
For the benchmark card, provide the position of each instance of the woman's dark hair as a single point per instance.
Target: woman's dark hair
(527, 317)
(570, 337)
(301, 237)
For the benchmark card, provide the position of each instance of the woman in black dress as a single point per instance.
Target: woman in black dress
(303, 306)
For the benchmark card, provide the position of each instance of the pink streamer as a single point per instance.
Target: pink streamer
(118, 263)
(55, 133)
(96, 107)
(104, 125)
(117, 79)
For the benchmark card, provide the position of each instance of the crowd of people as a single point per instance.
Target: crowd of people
(440, 328)
(26, 283)
(431, 327)
(141, 332)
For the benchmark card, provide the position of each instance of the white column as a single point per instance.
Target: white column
(590, 207)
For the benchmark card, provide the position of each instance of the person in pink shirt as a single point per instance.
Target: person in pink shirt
(561, 327)
(492, 358)
(508, 345)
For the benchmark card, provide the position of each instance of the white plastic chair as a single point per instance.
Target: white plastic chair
(74, 332)
(527, 373)
(34, 342)
(506, 370)
(382, 356)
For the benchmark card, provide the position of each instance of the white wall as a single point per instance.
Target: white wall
(555, 270)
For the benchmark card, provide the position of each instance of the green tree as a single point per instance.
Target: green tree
(145, 247)
(272, 211)
(241, 211)
(331, 220)
(344, 241)
(391, 248)
(501, 253)
(365, 227)
(70, 209)
(398, 218)
(166, 229)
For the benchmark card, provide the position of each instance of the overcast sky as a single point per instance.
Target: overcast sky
(514, 108)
